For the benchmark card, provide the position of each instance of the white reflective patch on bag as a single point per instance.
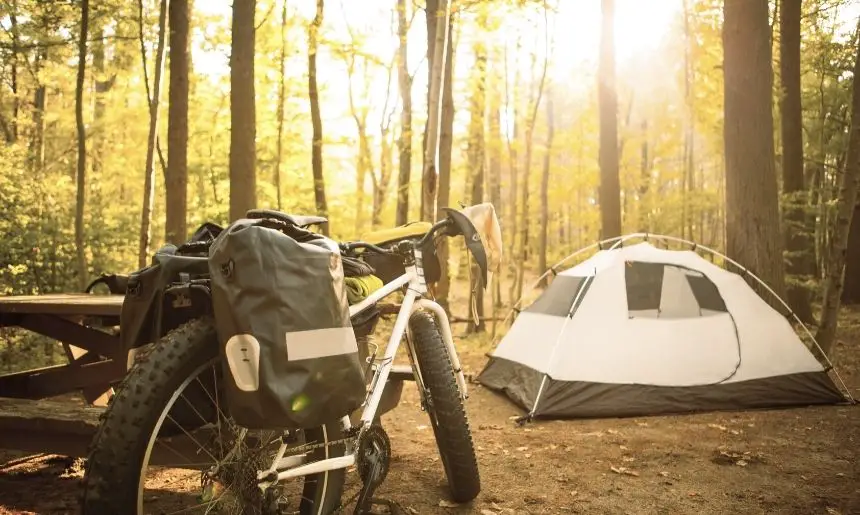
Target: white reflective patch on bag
(243, 357)
(320, 343)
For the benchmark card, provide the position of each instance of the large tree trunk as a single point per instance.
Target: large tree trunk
(316, 119)
(176, 179)
(846, 203)
(282, 98)
(243, 117)
(607, 98)
(544, 188)
(752, 210)
(798, 244)
(81, 199)
(477, 162)
(404, 143)
(152, 138)
(437, 11)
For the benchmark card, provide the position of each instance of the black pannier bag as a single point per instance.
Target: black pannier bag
(155, 302)
(289, 354)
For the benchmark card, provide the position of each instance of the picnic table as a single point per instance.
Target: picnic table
(38, 408)
(57, 409)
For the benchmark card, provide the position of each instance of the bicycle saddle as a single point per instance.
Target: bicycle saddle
(297, 220)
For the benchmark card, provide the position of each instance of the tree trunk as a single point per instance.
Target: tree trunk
(607, 98)
(494, 171)
(437, 11)
(282, 98)
(176, 180)
(689, 128)
(149, 171)
(846, 203)
(752, 210)
(531, 121)
(364, 162)
(513, 161)
(798, 244)
(544, 188)
(13, 76)
(404, 143)
(476, 160)
(446, 142)
(645, 182)
(81, 199)
(316, 119)
(243, 118)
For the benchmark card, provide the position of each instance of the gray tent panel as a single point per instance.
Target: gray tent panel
(580, 399)
(559, 296)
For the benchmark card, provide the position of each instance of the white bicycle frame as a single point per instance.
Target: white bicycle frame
(416, 288)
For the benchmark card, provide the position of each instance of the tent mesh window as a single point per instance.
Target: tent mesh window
(660, 290)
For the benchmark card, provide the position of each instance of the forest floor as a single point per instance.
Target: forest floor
(795, 461)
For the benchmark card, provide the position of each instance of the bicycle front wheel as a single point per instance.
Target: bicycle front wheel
(445, 408)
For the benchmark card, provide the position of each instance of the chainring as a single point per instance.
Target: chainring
(374, 448)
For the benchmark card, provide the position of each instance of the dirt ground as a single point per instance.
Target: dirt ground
(797, 461)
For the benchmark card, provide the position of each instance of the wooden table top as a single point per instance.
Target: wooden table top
(63, 304)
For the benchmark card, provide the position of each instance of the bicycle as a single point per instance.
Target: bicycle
(249, 469)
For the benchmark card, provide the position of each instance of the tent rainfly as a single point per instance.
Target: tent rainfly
(637, 330)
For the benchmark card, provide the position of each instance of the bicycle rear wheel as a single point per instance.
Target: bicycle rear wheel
(143, 458)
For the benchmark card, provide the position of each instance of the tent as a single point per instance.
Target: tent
(638, 330)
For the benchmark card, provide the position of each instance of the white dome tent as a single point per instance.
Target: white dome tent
(637, 330)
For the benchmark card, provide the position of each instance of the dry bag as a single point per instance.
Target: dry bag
(288, 350)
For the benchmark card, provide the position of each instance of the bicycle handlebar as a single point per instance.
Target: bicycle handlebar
(346, 247)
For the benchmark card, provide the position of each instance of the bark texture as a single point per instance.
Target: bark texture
(404, 143)
(607, 98)
(176, 179)
(798, 242)
(81, 196)
(316, 119)
(846, 202)
(753, 231)
(243, 118)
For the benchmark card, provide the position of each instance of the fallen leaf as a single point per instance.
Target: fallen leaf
(833, 511)
(488, 512)
(448, 504)
(612, 431)
(840, 475)
(717, 426)
(553, 446)
(622, 447)
(573, 493)
(628, 459)
(735, 432)
(524, 448)
(625, 471)
(421, 427)
(664, 474)
(741, 463)
(412, 510)
(494, 427)
(495, 506)
(527, 455)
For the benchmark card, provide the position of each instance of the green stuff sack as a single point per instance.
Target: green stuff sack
(290, 357)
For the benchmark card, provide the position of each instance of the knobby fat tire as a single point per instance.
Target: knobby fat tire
(445, 408)
(110, 484)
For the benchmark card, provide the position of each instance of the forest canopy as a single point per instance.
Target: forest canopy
(192, 111)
